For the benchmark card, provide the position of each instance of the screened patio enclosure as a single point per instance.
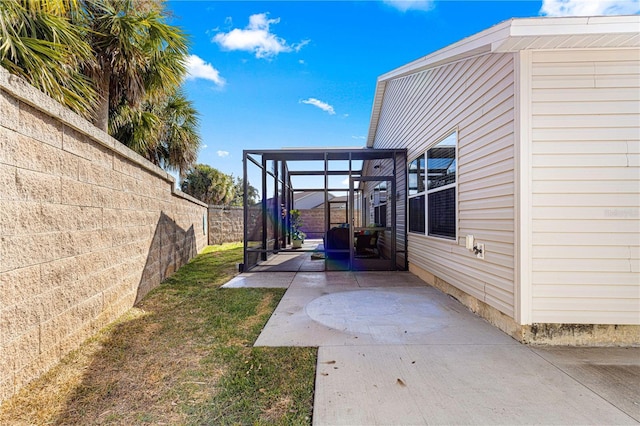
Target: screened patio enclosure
(357, 224)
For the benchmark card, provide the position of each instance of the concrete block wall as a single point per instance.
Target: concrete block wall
(87, 228)
(313, 222)
(226, 224)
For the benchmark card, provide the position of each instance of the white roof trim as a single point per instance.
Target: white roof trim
(521, 34)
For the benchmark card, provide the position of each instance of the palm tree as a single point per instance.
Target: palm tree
(138, 55)
(164, 131)
(108, 59)
(238, 189)
(180, 134)
(209, 185)
(40, 42)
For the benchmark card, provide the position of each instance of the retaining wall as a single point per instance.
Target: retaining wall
(87, 228)
(225, 224)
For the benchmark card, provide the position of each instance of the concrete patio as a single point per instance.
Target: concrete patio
(394, 351)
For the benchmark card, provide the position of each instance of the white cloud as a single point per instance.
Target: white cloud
(298, 46)
(345, 181)
(405, 5)
(223, 153)
(198, 68)
(318, 103)
(257, 38)
(589, 7)
(205, 146)
(359, 137)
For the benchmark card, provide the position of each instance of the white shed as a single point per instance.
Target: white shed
(526, 136)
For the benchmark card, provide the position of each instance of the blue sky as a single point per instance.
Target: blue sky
(267, 75)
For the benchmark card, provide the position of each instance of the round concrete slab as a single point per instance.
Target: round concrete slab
(377, 312)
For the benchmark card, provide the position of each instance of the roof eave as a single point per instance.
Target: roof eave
(510, 36)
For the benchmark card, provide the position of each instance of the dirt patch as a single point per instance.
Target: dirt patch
(278, 410)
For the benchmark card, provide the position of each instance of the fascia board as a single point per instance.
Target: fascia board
(492, 38)
(375, 112)
(470, 46)
(575, 26)
(561, 29)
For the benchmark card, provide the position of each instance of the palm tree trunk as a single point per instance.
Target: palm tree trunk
(101, 119)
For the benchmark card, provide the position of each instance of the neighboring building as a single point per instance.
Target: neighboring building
(526, 136)
(310, 200)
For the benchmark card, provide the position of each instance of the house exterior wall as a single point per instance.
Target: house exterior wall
(87, 228)
(585, 180)
(476, 97)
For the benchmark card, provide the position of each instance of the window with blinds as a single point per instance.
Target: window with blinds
(432, 190)
(416, 180)
(442, 213)
(416, 214)
(441, 187)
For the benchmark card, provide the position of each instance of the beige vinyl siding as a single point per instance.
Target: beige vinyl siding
(401, 215)
(476, 97)
(586, 186)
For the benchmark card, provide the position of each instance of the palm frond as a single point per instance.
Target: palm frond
(42, 45)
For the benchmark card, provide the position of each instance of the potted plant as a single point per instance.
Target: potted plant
(297, 236)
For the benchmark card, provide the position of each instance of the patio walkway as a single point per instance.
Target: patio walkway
(394, 351)
(294, 261)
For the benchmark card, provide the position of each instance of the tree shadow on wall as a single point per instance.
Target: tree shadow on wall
(171, 247)
(154, 365)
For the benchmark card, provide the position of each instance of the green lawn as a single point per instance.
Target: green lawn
(184, 355)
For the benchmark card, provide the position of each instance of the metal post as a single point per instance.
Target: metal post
(245, 211)
(326, 198)
(350, 211)
(283, 204)
(276, 207)
(263, 255)
(394, 223)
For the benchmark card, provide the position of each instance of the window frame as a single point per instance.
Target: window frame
(419, 193)
(378, 218)
(427, 191)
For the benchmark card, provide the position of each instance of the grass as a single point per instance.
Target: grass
(184, 355)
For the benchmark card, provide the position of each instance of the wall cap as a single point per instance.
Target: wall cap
(24, 92)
